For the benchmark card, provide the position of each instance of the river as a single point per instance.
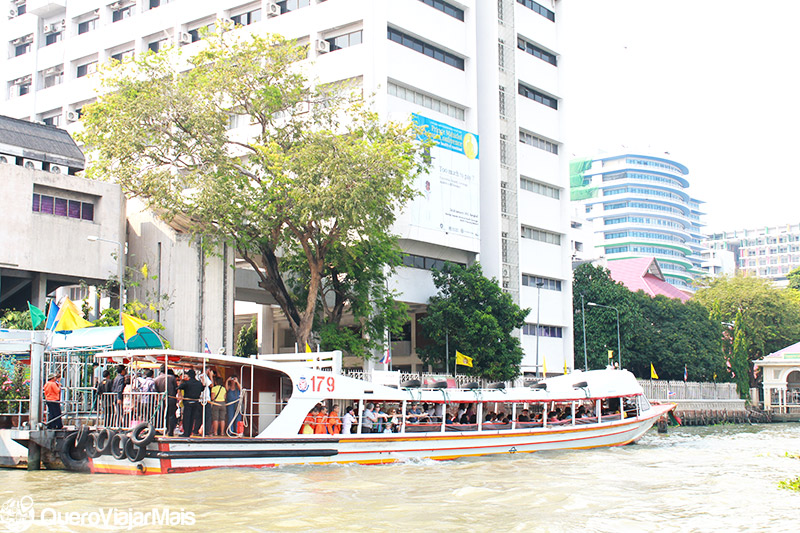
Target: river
(722, 478)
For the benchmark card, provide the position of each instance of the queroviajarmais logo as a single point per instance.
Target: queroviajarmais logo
(302, 384)
(17, 514)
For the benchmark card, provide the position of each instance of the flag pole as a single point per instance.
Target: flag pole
(447, 351)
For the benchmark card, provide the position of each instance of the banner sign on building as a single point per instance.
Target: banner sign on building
(450, 200)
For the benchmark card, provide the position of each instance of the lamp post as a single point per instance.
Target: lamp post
(95, 238)
(619, 346)
(585, 355)
(539, 285)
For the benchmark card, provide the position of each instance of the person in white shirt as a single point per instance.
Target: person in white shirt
(348, 420)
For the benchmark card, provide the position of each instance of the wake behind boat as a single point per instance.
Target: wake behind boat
(279, 402)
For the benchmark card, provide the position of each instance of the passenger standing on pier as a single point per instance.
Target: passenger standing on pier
(52, 396)
(191, 389)
(118, 387)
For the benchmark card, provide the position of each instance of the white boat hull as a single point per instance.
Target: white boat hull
(173, 455)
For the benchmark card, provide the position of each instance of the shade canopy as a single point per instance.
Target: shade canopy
(104, 337)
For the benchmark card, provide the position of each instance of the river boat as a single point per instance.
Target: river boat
(598, 408)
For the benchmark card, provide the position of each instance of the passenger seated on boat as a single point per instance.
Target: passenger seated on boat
(321, 421)
(334, 425)
(462, 409)
(310, 422)
(555, 415)
(414, 413)
(524, 416)
(348, 420)
(469, 417)
(392, 422)
(566, 415)
(490, 417)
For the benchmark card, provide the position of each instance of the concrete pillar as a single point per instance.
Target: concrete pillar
(266, 330)
(39, 290)
(37, 354)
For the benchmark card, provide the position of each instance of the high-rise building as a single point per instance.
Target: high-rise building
(485, 73)
(767, 252)
(639, 206)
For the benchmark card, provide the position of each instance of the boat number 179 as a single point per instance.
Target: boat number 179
(318, 381)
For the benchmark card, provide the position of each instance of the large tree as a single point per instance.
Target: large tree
(474, 316)
(315, 177)
(760, 319)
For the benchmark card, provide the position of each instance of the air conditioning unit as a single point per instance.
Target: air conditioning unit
(184, 37)
(30, 164)
(73, 116)
(115, 6)
(49, 28)
(273, 9)
(58, 169)
(52, 70)
(12, 12)
(3, 159)
(323, 46)
(18, 41)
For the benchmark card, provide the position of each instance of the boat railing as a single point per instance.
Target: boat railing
(127, 410)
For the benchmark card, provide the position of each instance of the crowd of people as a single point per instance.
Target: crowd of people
(197, 402)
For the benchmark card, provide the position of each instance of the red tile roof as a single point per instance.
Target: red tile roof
(644, 274)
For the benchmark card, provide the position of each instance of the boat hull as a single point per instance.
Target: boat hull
(175, 455)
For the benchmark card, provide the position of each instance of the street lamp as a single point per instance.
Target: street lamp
(95, 238)
(539, 285)
(619, 347)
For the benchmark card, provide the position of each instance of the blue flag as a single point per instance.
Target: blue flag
(52, 313)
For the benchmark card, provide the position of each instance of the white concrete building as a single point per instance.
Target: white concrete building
(484, 71)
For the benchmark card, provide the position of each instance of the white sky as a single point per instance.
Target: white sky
(716, 83)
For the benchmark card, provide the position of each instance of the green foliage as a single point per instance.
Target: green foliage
(247, 341)
(794, 279)
(790, 484)
(14, 384)
(321, 178)
(762, 319)
(12, 319)
(478, 317)
(666, 332)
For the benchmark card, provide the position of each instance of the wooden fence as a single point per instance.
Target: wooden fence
(688, 390)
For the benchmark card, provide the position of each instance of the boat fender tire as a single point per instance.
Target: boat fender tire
(134, 452)
(74, 458)
(143, 434)
(92, 445)
(118, 442)
(83, 435)
(103, 441)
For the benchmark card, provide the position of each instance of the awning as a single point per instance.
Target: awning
(104, 337)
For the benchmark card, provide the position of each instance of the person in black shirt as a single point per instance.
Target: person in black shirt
(191, 390)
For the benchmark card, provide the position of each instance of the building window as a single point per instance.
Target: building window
(446, 8)
(291, 5)
(345, 41)
(122, 56)
(54, 120)
(539, 188)
(424, 100)
(535, 51)
(157, 3)
(425, 263)
(195, 33)
(536, 96)
(53, 205)
(87, 26)
(245, 19)
(53, 76)
(544, 331)
(19, 87)
(540, 235)
(538, 142)
(53, 38)
(122, 13)
(538, 8)
(424, 48)
(547, 283)
(155, 46)
(21, 49)
(85, 70)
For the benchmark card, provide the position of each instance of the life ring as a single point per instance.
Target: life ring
(74, 458)
(143, 434)
(134, 452)
(102, 441)
(118, 442)
(83, 434)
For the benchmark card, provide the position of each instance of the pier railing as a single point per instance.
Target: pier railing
(688, 390)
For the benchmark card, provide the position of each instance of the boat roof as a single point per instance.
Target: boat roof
(578, 385)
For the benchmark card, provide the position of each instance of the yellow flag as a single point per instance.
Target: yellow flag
(69, 317)
(565, 367)
(462, 359)
(308, 348)
(544, 366)
(131, 325)
(653, 374)
(611, 354)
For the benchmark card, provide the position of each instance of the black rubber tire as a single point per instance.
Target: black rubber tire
(92, 449)
(143, 434)
(73, 458)
(103, 442)
(118, 442)
(83, 434)
(134, 452)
